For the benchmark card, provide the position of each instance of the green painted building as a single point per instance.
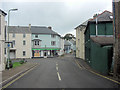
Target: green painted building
(99, 42)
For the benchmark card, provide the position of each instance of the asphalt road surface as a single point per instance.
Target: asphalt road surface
(61, 73)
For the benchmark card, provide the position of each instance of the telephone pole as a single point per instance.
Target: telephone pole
(116, 23)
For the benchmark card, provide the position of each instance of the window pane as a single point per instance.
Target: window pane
(13, 42)
(13, 34)
(24, 53)
(53, 43)
(36, 36)
(38, 42)
(24, 42)
(53, 36)
(24, 35)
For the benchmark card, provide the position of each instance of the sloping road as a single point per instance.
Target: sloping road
(61, 73)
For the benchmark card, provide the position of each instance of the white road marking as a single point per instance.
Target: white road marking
(59, 76)
(56, 68)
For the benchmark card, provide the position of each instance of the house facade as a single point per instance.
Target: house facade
(80, 40)
(67, 46)
(62, 47)
(99, 42)
(45, 42)
(21, 42)
(2, 40)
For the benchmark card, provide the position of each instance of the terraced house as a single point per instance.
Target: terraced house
(21, 42)
(80, 40)
(45, 42)
(2, 39)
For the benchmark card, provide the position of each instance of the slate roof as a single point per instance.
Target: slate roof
(1, 11)
(18, 29)
(105, 16)
(42, 30)
(102, 40)
(83, 24)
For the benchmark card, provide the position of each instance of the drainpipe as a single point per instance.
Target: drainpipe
(96, 27)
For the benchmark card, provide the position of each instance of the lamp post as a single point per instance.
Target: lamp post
(8, 50)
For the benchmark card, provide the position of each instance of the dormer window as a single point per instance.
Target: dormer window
(36, 36)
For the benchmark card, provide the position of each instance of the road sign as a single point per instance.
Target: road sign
(8, 45)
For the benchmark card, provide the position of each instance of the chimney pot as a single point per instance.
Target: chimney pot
(50, 27)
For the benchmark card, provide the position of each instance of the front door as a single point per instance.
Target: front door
(45, 53)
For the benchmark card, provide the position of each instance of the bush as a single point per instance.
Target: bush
(21, 62)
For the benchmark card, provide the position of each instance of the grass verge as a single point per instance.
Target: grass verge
(16, 64)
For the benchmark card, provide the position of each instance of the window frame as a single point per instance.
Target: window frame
(13, 35)
(24, 42)
(53, 36)
(24, 53)
(13, 42)
(53, 43)
(24, 35)
(36, 35)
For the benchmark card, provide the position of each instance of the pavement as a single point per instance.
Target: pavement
(9, 75)
(60, 72)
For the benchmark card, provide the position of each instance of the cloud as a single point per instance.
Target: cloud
(62, 15)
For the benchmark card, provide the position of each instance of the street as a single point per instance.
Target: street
(61, 72)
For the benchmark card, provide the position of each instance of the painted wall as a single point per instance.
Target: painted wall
(103, 28)
(80, 45)
(2, 43)
(19, 45)
(46, 40)
(99, 58)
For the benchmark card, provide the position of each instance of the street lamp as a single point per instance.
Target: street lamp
(8, 50)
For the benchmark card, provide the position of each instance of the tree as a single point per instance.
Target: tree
(69, 36)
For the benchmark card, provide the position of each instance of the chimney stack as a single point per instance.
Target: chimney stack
(50, 27)
(29, 26)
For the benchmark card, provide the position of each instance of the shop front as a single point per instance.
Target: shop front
(48, 52)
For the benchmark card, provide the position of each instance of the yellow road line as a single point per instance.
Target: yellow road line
(17, 78)
(104, 77)
(99, 74)
(81, 65)
(78, 65)
(59, 76)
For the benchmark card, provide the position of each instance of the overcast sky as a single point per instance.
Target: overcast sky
(62, 15)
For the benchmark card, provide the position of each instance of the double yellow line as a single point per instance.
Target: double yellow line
(96, 73)
(8, 84)
(78, 64)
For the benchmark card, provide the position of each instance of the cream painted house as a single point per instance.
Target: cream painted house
(2, 39)
(80, 40)
(21, 42)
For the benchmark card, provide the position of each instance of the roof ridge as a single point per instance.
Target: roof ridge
(100, 14)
